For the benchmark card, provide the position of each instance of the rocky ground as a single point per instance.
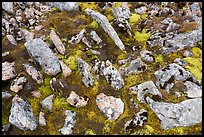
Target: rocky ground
(101, 68)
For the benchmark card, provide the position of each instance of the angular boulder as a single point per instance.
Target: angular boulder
(47, 102)
(8, 71)
(42, 121)
(8, 7)
(57, 42)
(193, 90)
(18, 84)
(76, 101)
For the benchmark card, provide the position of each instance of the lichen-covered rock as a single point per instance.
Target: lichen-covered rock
(139, 119)
(121, 12)
(21, 114)
(18, 84)
(11, 39)
(57, 42)
(110, 106)
(147, 55)
(94, 36)
(65, 69)
(136, 66)
(123, 23)
(104, 23)
(41, 53)
(47, 102)
(6, 95)
(8, 6)
(185, 113)
(68, 6)
(8, 70)
(34, 73)
(76, 101)
(69, 123)
(85, 71)
(42, 121)
(166, 76)
(145, 88)
(193, 90)
(180, 62)
(78, 37)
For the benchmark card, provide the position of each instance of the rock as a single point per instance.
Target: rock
(11, 39)
(147, 55)
(8, 7)
(31, 21)
(8, 70)
(27, 35)
(5, 129)
(21, 114)
(69, 123)
(134, 103)
(147, 87)
(77, 38)
(121, 12)
(47, 102)
(180, 62)
(136, 66)
(95, 52)
(186, 53)
(34, 73)
(41, 53)
(110, 106)
(142, 10)
(36, 94)
(195, 8)
(42, 121)
(6, 95)
(57, 42)
(68, 6)
(193, 90)
(185, 113)
(123, 23)
(76, 101)
(85, 71)
(87, 42)
(39, 27)
(94, 36)
(139, 120)
(5, 53)
(166, 76)
(17, 84)
(177, 94)
(104, 23)
(65, 69)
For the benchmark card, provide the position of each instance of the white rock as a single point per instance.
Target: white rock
(193, 90)
(11, 39)
(8, 70)
(76, 101)
(17, 84)
(65, 69)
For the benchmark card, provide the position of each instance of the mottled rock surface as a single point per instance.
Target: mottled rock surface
(47, 102)
(66, 71)
(57, 42)
(185, 113)
(42, 121)
(6, 95)
(193, 90)
(110, 106)
(95, 37)
(68, 6)
(76, 101)
(8, 71)
(18, 84)
(147, 56)
(8, 6)
(21, 114)
(78, 37)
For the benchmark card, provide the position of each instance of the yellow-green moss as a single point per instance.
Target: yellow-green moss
(90, 5)
(123, 55)
(94, 24)
(134, 18)
(142, 37)
(89, 132)
(147, 130)
(108, 127)
(45, 89)
(117, 5)
(197, 52)
(71, 62)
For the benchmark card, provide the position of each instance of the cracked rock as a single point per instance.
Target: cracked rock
(110, 106)
(57, 42)
(87, 42)
(193, 90)
(47, 102)
(42, 121)
(41, 53)
(65, 69)
(18, 84)
(185, 113)
(77, 101)
(69, 122)
(145, 88)
(8, 70)
(21, 114)
(34, 73)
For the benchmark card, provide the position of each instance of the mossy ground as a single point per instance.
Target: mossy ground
(90, 119)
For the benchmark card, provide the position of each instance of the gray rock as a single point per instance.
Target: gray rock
(68, 6)
(11, 39)
(147, 55)
(5, 129)
(69, 123)
(77, 38)
(8, 70)
(180, 62)
(41, 53)
(21, 114)
(87, 42)
(5, 53)
(186, 53)
(18, 84)
(134, 103)
(167, 75)
(94, 36)
(85, 71)
(136, 66)
(47, 102)
(104, 23)
(8, 6)
(123, 23)
(34, 73)
(95, 52)
(6, 95)
(121, 12)
(193, 90)
(65, 69)
(77, 101)
(195, 8)
(36, 94)
(57, 42)
(147, 87)
(139, 120)
(142, 10)
(185, 113)
(110, 106)
(42, 121)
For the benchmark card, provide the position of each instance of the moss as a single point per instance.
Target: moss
(45, 89)
(144, 16)
(94, 89)
(71, 62)
(108, 127)
(90, 5)
(142, 37)
(123, 55)
(6, 105)
(117, 4)
(147, 130)
(188, 27)
(89, 132)
(109, 15)
(94, 24)
(197, 52)
(134, 18)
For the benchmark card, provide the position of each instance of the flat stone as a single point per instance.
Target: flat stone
(42, 121)
(21, 114)
(193, 90)
(110, 106)
(18, 84)
(47, 102)
(104, 23)
(76, 101)
(70, 121)
(8, 70)
(57, 42)
(34, 73)
(185, 113)
(6, 95)
(85, 71)
(147, 87)
(66, 71)
(8, 7)
(11, 39)
(78, 37)
(41, 53)
(68, 6)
